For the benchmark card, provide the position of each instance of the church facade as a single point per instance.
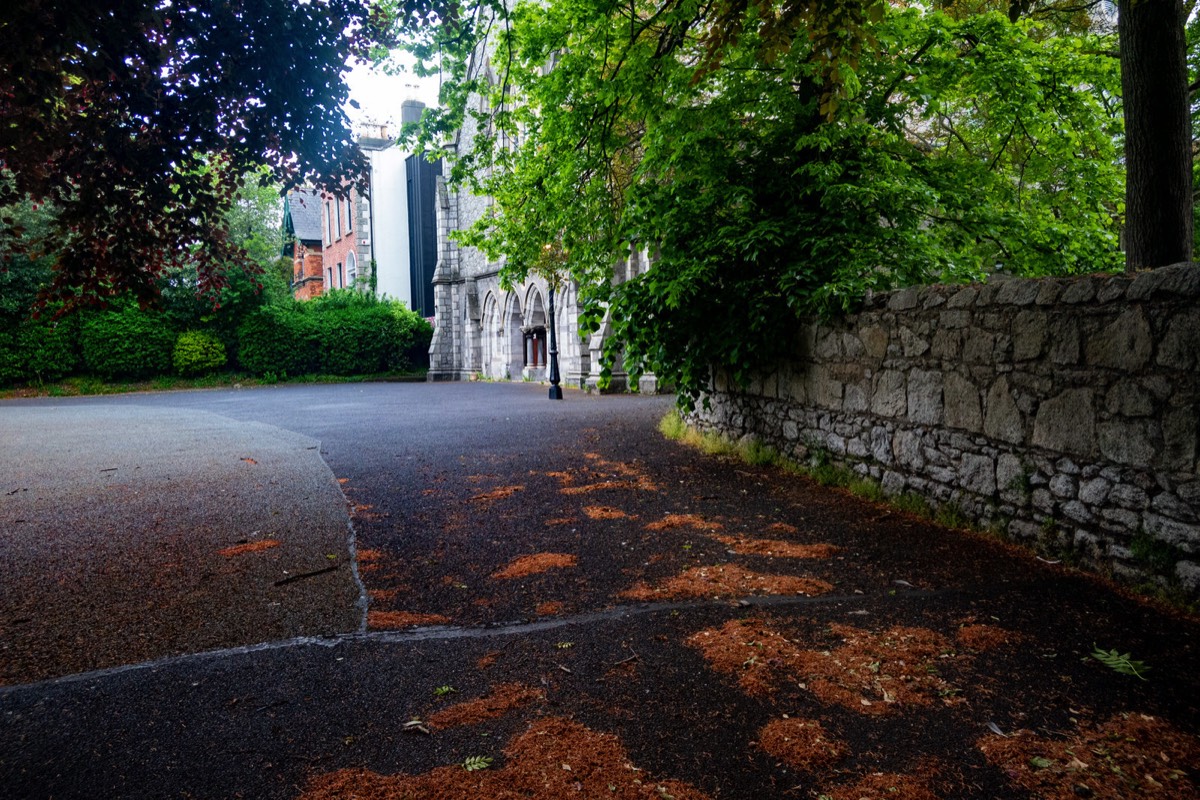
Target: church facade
(484, 332)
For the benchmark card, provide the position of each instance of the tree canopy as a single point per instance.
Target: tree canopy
(772, 174)
(137, 119)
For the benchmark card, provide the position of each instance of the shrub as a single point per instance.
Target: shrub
(126, 343)
(279, 339)
(39, 350)
(198, 353)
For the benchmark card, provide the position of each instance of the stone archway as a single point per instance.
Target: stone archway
(492, 355)
(514, 337)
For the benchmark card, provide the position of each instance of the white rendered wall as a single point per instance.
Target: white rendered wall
(389, 202)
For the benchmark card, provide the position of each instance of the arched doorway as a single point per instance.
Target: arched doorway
(534, 337)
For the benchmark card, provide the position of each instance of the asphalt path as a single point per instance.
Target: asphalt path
(155, 647)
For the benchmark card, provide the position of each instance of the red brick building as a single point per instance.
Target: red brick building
(302, 226)
(341, 228)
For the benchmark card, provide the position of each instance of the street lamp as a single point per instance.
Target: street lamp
(556, 392)
(550, 265)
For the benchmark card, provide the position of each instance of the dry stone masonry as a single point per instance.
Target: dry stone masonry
(1063, 411)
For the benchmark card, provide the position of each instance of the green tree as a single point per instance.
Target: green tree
(772, 179)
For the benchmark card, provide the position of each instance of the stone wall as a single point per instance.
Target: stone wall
(1061, 411)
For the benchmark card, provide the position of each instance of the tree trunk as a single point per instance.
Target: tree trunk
(1158, 133)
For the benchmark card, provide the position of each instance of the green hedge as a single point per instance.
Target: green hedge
(279, 339)
(340, 333)
(39, 350)
(126, 343)
(198, 353)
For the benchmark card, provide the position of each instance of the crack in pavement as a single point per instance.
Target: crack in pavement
(451, 632)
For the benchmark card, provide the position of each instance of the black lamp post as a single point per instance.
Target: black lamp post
(556, 392)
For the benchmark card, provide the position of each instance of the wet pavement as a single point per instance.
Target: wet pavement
(431, 543)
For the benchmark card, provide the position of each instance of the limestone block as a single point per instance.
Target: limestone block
(1124, 345)
(1127, 442)
(1181, 344)
(858, 447)
(962, 403)
(1176, 280)
(1010, 473)
(1188, 574)
(856, 397)
(1179, 439)
(1049, 292)
(1067, 466)
(852, 346)
(1002, 418)
(1078, 512)
(1042, 500)
(914, 344)
(1095, 491)
(889, 398)
(1066, 423)
(822, 390)
(1129, 399)
(881, 445)
(1169, 505)
(1064, 486)
(1064, 342)
(829, 346)
(1122, 518)
(836, 444)
(947, 344)
(874, 341)
(1113, 289)
(1018, 292)
(945, 475)
(1182, 535)
(1189, 493)
(933, 299)
(791, 431)
(977, 474)
(979, 347)
(906, 446)
(798, 388)
(958, 318)
(1028, 335)
(893, 482)
(1081, 290)
(905, 299)
(925, 397)
(1129, 496)
(963, 298)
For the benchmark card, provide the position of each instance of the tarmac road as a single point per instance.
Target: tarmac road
(155, 648)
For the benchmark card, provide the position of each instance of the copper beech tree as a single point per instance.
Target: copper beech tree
(134, 121)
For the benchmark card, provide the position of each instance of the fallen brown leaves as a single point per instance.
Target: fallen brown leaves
(604, 512)
(496, 703)
(555, 758)
(683, 521)
(801, 744)
(533, 564)
(727, 580)
(870, 673)
(777, 547)
(393, 620)
(1131, 755)
(249, 547)
(499, 493)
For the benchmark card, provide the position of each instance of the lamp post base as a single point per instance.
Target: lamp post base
(556, 393)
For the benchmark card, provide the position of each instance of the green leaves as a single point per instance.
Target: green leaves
(1120, 662)
(776, 159)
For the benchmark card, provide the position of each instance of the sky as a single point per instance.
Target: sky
(380, 95)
